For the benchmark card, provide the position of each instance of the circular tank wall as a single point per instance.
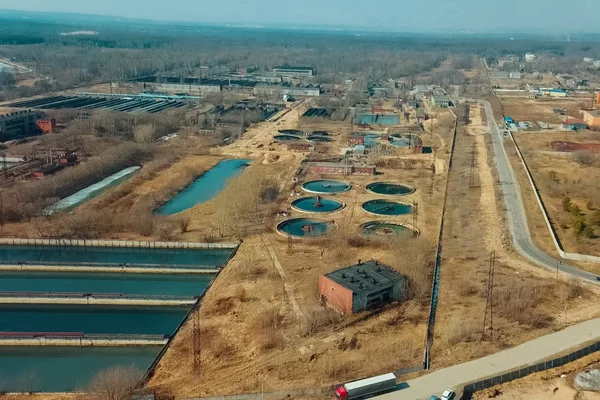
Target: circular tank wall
(317, 204)
(387, 207)
(324, 186)
(390, 189)
(306, 227)
(281, 138)
(382, 230)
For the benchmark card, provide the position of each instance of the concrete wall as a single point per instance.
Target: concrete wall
(115, 243)
(81, 342)
(336, 296)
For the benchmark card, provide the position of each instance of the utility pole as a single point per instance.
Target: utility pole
(488, 318)
(415, 214)
(472, 169)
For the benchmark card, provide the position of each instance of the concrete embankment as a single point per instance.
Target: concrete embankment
(135, 244)
(95, 300)
(82, 341)
(107, 268)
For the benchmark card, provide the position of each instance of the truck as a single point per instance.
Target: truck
(366, 387)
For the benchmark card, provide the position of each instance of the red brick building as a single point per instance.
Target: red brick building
(361, 287)
(326, 168)
(46, 125)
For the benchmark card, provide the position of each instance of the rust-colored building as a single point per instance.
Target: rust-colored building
(361, 287)
(328, 168)
(355, 140)
(46, 125)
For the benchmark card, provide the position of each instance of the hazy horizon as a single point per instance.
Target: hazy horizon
(425, 15)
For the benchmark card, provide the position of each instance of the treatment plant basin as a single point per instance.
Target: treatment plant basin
(380, 230)
(306, 227)
(392, 189)
(292, 132)
(387, 207)
(323, 186)
(283, 138)
(319, 139)
(317, 204)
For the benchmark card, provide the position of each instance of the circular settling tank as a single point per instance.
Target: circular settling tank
(322, 139)
(320, 133)
(381, 230)
(387, 188)
(387, 207)
(294, 132)
(280, 138)
(323, 186)
(306, 227)
(317, 204)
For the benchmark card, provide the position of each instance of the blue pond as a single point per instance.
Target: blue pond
(61, 369)
(87, 282)
(74, 255)
(386, 207)
(305, 227)
(320, 205)
(205, 188)
(323, 186)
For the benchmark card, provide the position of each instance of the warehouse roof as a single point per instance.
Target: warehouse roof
(290, 67)
(365, 276)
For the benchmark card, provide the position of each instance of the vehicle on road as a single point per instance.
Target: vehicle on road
(365, 388)
(448, 394)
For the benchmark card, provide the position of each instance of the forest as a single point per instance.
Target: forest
(119, 52)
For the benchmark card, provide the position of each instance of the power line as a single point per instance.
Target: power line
(488, 318)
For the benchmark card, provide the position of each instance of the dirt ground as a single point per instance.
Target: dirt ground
(559, 175)
(542, 109)
(556, 384)
(300, 344)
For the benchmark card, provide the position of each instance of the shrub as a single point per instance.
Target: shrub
(183, 223)
(575, 210)
(271, 339)
(566, 204)
(579, 227)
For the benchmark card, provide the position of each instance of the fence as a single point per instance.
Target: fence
(115, 243)
(438, 261)
(520, 373)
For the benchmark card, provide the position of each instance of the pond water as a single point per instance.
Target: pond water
(324, 186)
(91, 319)
(61, 369)
(76, 255)
(386, 207)
(205, 188)
(306, 227)
(88, 282)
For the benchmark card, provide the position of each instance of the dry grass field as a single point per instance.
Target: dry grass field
(542, 109)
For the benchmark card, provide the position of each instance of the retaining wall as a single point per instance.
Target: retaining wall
(115, 243)
(555, 240)
(84, 340)
(111, 269)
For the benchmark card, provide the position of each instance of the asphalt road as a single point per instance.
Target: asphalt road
(515, 210)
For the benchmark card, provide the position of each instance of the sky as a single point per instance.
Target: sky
(397, 15)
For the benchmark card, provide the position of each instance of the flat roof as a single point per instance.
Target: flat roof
(593, 113)
(441, 97)
(290, 67)
(365, 277)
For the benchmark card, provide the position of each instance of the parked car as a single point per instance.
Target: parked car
(434, 398)
(448, 394)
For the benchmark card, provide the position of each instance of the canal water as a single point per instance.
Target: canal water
(205, 188)
(75, 255)
(62, 369)
(88, 282)
(91, 319)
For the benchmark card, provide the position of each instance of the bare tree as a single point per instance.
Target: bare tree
(115, 383)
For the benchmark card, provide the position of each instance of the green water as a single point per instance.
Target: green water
(324, 186)
(385, 230)
(205, 188)
(139, 284)
(310, 204)
(296, 227)
(386, 207)
(74, 255)
(62, 369)
(91, 319)
(389, 188)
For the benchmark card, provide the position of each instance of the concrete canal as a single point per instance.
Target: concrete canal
(61, 369)
(205, 188)
(39, 342)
